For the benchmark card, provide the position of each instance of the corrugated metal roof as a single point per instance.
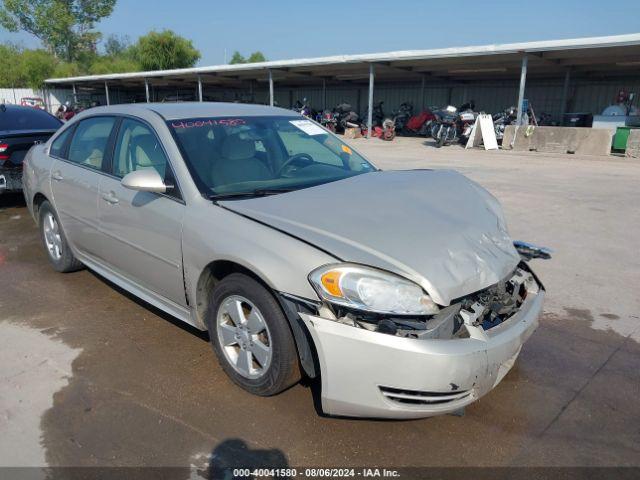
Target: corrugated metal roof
(404, 55)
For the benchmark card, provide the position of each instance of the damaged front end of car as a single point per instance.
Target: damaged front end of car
(411, 358)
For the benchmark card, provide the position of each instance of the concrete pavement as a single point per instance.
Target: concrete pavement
(111, 381)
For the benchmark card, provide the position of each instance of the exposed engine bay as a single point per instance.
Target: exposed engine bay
(487, 308)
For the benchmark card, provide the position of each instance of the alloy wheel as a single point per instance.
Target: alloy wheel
(52, 237)
(244, 337)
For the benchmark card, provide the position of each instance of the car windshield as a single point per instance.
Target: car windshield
(245, 156)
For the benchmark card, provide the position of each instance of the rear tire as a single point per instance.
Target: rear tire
(55, 242)
(251, 336)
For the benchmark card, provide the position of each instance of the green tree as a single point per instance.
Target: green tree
(113, 64)
(255, 57)
(67, 69)
(116, 45)
(164, 50)
(65, 27)
(237, 58)
(35, 66)
(28, 68)
(10, 77)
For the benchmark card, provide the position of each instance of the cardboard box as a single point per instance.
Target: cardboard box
(352, 133)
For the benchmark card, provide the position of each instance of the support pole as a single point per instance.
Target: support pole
(106, 92)
(523, 81)
(45, 94)
(270, 88)
(199, 88)
(565, 93)
(75, 95)
(146, 89)
(370, 111)
(422, 92)
(324, 94)
(48, 103)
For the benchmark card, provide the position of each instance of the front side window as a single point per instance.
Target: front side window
(59, 144)
(137, 148)
(241, 155)
(89, 143)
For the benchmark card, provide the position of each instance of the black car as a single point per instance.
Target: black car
(20, 129)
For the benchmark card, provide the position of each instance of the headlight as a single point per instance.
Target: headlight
(369, 289)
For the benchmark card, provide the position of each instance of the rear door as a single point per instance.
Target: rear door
(142, 231)
(75, 175)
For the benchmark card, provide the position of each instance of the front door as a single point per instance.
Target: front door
(75, 176)
(142, 231)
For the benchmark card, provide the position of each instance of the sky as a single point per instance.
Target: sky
(284, 29)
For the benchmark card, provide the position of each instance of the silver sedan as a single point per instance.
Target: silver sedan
(400, 290)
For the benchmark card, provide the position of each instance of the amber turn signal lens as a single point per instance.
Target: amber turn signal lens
(331, 283)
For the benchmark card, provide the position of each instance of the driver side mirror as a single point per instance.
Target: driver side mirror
(147, 180)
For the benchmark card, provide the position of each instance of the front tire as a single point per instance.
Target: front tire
(442, 137)
(55, 243)
(251, 336)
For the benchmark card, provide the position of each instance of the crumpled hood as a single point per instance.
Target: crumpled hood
(437, 228)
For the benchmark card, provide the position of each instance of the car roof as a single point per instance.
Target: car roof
(179, 110)
(9, 107)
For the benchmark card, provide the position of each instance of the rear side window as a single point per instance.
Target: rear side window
(89, 143)
(58, 145)
(27, 118)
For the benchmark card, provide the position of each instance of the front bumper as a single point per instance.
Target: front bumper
(372, 374)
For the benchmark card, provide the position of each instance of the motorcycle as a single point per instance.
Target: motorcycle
(388, 130)
(382, 127)
(328, 119)
(401, 117)
(444, 129)
(465, 123)
(66, 111)
(345, 115)
(502, 119)
(303, 108)
(419, 124)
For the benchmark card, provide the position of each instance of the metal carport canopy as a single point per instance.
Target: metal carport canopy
(595, 55)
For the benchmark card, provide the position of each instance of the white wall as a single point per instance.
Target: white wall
(57, 96)
(13, 95)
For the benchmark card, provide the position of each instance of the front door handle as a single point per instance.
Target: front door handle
(110, 198)
(57, 176)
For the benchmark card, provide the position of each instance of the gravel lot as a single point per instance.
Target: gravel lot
(91, 376)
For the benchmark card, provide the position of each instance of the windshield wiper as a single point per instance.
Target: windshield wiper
(260, 192)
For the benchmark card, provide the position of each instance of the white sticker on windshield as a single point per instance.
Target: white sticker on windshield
(308, 127)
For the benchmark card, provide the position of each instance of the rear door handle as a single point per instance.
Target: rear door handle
(110, 198)
(57, 176)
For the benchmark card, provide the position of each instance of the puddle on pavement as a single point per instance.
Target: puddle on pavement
(608, 322)
(33, 367)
